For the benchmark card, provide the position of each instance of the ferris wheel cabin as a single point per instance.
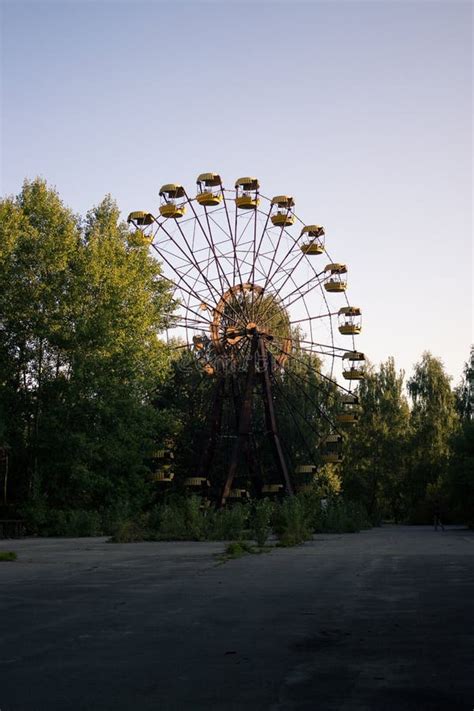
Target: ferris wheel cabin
(272, 489)
(313, 236)
(353, 365)
(350, 320)
(349, 414)
(209, 189)
(246, 193)
(197, 484)
(331, 451)
(337, 279)
(282, 211)
(162, 461)
(304, 476)
(141, 220)
(172, 203)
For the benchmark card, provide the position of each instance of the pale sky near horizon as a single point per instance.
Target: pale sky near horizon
(361, 110)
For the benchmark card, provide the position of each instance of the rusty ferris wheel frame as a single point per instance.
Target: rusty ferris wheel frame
(255, 294)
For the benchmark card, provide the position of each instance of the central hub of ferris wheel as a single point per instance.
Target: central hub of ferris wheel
(258, 312)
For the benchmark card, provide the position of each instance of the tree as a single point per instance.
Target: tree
(81, 309)
(434, 420)
(460, 479)
(375, 466)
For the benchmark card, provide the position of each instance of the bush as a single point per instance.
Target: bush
(74, 523)
(179, 520)
(291, 521)
(130, 531)
(227, 524)
(237, 549)
(260, 520)
(7, 555)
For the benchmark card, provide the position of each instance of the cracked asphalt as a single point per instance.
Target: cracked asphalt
(377, 621)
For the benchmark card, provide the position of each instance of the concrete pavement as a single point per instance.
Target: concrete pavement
(377, 621)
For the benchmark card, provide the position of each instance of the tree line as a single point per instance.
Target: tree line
(89, 387)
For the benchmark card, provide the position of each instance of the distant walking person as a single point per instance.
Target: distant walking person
(437, 516)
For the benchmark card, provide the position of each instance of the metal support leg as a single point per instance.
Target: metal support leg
(270, 416)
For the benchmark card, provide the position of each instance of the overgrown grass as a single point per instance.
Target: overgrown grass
(72, 523)
(182, 518)
(292, 521)
(8, 555)
(261, 520)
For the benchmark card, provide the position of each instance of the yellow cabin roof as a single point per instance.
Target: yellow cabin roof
(283, 201)
(349, 311)
(312, 228)
(211, 179)
(172, 189)
(247, 183)
(139, 215)
(336, 268)
(333, 438)
(353, 355)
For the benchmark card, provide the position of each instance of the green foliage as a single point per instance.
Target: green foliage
(434, 421)
(260, 520)
(292, 522)
(80, 359)
(237, 549)
(7, 556)
(459, 485)
(182, 520)
(376, 464)
(70, 523)
(228, 523)
(130, 531)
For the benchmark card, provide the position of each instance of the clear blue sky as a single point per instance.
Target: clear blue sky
(361, 110)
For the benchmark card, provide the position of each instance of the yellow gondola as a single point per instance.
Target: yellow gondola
(246, 193)
(238, 494)
(350, 320)
(272, 488)
(353, 365)
(162, 477)
(172, 204)
(313, 239)
(282, 211)
(305, 469)
(336, 282)
(197, 482)
(350, 410)
(331, 452)
(141, 218)
(209, 189)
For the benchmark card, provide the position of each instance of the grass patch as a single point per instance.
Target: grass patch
(237, 549)
(8, 555)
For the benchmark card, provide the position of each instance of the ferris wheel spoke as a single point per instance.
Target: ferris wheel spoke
(315, 370)
(298, 291)
(293, 411)
(195, 324)
(210, 243)
(233, 237)
(238, 278)
(190, 257)
(323, 414)
(272, 262)
(194, 295)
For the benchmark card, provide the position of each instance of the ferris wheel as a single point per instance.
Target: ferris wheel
(257, 292)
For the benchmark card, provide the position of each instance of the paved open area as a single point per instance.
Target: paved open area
(377, 621)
